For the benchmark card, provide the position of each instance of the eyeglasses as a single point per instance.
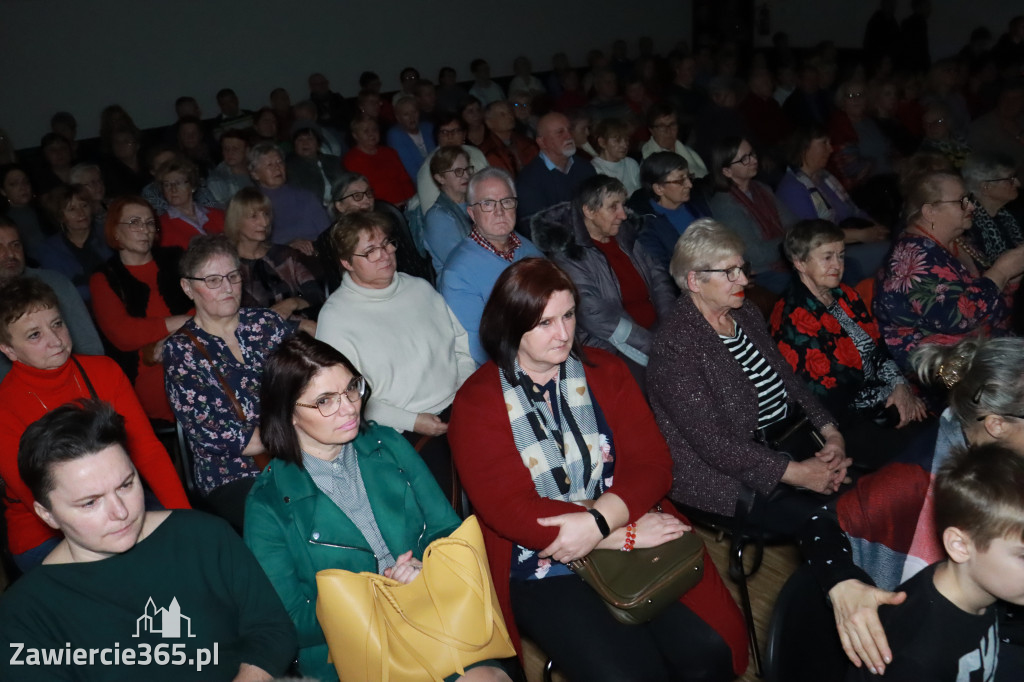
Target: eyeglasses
(1013, 180)
(935, 122)
(174, 184)
(450, 131)
(521, 104)
(460, 172)
(217, 281)
(330, 403)
(746, 159)
(488, 205)
(375, 253)
(732, 274)
(139, 225)
(358, 196)
(854, 95)
(964, 201)
(685, 180)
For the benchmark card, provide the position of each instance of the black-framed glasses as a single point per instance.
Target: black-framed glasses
(460, 172)
(964, 201)
(1012, 179)
(358, 196)
(746, 159)
(732, 274)
(488, 205)
(450, 131)
(174, 184)
(375, 253)
(330, 403)
(217, 281)
(141, 226)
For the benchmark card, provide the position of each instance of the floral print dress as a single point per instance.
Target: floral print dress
(201, 405)
(925, 295)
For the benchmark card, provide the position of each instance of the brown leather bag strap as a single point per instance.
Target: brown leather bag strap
(220, 377)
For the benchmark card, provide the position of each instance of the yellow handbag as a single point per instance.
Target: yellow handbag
(444, 620)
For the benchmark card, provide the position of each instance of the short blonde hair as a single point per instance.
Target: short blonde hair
(705, 242)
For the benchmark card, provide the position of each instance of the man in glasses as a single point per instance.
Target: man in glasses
(555, 174)
(474, 265)
(76, 317)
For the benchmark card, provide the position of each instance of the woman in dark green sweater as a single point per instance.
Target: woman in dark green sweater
(173, 591)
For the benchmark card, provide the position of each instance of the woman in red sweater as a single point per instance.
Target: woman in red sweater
(138, 301)
(45, 376)
(601, 471)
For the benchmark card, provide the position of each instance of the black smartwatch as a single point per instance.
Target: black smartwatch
(602, 523)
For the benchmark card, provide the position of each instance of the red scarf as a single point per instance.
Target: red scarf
(762, 207)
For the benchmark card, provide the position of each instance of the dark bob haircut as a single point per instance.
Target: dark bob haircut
(516, 305)
(289, 370)
(657, 167)
(67, 433)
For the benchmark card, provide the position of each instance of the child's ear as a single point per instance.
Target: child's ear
(958, 544)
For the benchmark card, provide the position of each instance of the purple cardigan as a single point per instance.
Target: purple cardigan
(706, 408)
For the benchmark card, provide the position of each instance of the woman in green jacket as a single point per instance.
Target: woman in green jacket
(339, 493)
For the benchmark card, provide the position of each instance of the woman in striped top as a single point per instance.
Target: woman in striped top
(720, 392)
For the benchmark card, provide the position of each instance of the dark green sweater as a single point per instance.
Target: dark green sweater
(225, 600)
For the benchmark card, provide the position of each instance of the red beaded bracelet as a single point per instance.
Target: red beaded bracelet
(630, 542)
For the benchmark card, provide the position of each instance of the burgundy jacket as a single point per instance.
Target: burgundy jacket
(506, 502)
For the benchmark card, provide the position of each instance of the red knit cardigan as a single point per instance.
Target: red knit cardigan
(506, 502)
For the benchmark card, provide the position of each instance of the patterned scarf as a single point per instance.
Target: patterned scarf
(994, 234)
(761, 205)
(564, 458)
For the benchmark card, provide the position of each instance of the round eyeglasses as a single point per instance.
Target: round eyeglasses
(460, 172)
(330, 403)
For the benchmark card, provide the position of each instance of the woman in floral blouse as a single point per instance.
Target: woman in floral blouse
(932, 289)
(827, 335)
(213, 369)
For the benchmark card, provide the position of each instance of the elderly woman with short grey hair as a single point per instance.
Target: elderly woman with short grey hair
(624, 294)
(991, 180)
(725, 398)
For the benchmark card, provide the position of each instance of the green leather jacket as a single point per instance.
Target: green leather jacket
(295, 530)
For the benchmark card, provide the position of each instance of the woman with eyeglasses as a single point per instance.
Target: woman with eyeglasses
(137, 300)
(725, 398)
(341, 491)
(560, 455)
(625, 295)
(935, 287)
(992, 182)
(213, 367)
(185, 218)
(352, 193)
(447, 222)
(400, 331)
(749, 208)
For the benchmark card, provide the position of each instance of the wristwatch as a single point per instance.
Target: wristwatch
(602, 523)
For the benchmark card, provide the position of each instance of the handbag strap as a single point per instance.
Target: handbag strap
(220, 377)
(88, 384)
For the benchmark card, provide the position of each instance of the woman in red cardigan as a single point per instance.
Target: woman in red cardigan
(137, 299)
(45, 376)
(560, 455)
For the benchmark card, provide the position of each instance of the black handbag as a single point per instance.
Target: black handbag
(795, 435)
(636, 586)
